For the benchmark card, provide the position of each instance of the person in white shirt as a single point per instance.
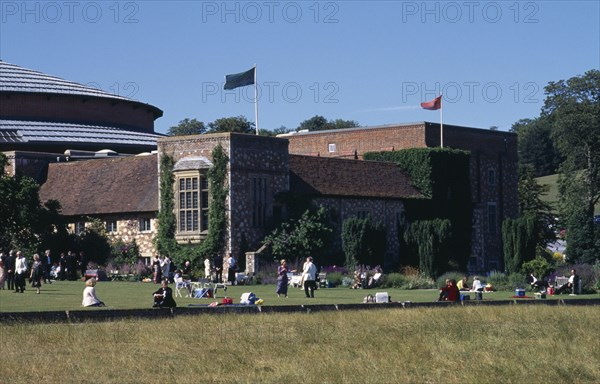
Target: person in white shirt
(231, 266)
(165, 265)
(89, 295)
(309, 277)
(207, 268)
(572, 284)
(476, 286)
(20, 270)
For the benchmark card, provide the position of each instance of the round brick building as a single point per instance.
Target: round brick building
(43, 113)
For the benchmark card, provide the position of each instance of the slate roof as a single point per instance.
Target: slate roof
(19, 131)
(349, 178)
(14, 78)
(103, 186)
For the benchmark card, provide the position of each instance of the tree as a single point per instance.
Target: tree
(363, 242)
(187, 127)
(430, 237)
(165, 239)
(518, 242)
(319, 123)
(231, 124)
(573, 108)
(536, 147)
(532, 205)
(306, 236)
(24, 221)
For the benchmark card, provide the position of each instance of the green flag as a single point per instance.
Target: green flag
(239, 79)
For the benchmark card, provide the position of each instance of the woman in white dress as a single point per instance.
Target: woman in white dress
(89, 295)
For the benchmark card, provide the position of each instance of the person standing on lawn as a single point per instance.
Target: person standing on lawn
(20, 270)
(37, 273)
(9, 266)
(282, 279)
(309, 277)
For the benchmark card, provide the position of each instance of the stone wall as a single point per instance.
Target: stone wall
(490, 150)
(383, 211)
(250, 156)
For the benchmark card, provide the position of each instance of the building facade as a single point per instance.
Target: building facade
(493, 170)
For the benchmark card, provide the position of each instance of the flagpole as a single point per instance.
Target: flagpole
(441, 122)
(255, 101)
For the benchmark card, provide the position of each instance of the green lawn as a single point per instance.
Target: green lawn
(67, 295)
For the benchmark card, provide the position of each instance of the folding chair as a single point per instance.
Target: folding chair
(182, 284)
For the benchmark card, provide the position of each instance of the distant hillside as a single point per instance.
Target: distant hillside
(552, 196)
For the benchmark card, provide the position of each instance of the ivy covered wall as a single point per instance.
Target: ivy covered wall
(442, 174)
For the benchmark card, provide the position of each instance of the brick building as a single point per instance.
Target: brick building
(45, 120)
(493, 169)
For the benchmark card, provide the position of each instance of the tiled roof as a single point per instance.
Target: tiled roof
(14, 78)
(351, 178)
(103, 186)
(17, 131)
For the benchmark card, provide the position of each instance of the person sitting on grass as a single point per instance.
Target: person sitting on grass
(89, 295)
(537, 284)
(463, 284)
(477, 286)
(163, 297)
(450, 292)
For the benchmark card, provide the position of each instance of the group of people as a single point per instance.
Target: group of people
(451, 291)
(15, 270)
(308, 279)
(213, 271)
(571, 286)
(162, 297)
(164, 268)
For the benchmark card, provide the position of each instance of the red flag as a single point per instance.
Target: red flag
(433, 104)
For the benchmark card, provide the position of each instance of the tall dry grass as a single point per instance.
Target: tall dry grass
(517, 344)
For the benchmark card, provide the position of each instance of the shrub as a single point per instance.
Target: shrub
(441, 281)
(334, 268)
(498, 280)
(517, 280)
(334, 278)
(393, 280)
(419, 282)
(539, 266)
(267, 274)
(347, 281)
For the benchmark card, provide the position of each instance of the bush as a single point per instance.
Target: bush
(498, 280)
(334, 278)
(419, 282)
(393, 280)
(517, 280)
(267, 274)
(441, 281)
(347, 281)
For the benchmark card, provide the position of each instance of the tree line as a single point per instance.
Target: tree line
(240, 124)
(563, 139)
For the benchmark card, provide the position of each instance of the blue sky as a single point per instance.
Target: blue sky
(369, 61)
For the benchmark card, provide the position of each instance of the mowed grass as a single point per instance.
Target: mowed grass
(67, 295)
(507, 344)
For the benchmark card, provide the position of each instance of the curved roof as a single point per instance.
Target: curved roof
(18, 79)
(17, 131)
